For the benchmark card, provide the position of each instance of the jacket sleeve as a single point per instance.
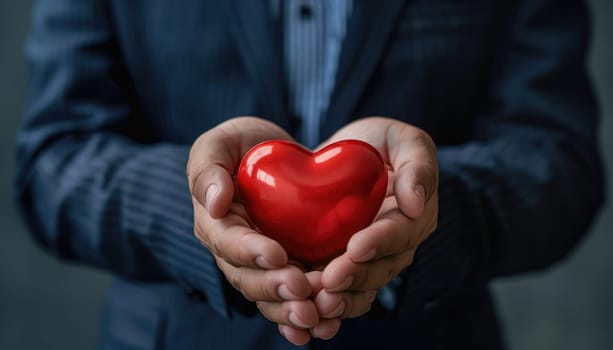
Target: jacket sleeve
(91, 183)
(526, 187)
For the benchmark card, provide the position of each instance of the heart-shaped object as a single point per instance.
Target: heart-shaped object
(312, 203)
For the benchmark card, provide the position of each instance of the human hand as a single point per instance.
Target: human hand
(376, 254)
(254, 264)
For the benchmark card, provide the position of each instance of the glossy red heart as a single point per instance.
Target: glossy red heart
(312, 203)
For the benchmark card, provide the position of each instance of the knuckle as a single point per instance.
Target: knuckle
(392, 269)
(236, 280)
(409, 257)
(202, 236)
(216, 247)
(362, 278)
(264, 292)
(204, 242)
(267, 287)
(349, 308)
(424, 139)
(358, 304)
(190, 167)
(244, 242)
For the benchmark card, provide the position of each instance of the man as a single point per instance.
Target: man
(125, 95)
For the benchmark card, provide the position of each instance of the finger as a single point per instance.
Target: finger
(409, 150)
(217, 153)
(288, 283)
(392, 233)
(232, 239)
(413, 156)
(314, 278)
(342, 274)
(330, 305)
(298, 314)
(213, 188)
(344, 305)
(213, 159)
(326, 329)
(295, 336)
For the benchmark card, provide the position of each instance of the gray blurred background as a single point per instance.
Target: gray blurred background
(47, 304)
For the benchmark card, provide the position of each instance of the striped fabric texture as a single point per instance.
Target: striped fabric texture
(313, 33)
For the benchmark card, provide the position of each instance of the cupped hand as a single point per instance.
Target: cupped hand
(254, 264)
(378, 253)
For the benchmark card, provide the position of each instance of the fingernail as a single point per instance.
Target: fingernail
(421, 192)
(211, 192)
(371, 254)
(338, 311)
(346, 283)
(263, 263)
(286, 294)
(293, 318)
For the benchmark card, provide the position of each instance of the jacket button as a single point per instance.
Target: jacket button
(305, 11)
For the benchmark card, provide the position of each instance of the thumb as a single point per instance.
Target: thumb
(414, 185)
(416, 171)
(213, 188)
(216, 154)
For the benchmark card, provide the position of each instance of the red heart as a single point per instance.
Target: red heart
(312, 203)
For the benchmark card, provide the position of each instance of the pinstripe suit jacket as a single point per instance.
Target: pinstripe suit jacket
(119, 90)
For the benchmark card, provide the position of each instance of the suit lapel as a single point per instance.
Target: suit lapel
(261, 51)
(367, 35)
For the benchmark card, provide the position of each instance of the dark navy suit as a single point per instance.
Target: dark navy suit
(120, 89)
